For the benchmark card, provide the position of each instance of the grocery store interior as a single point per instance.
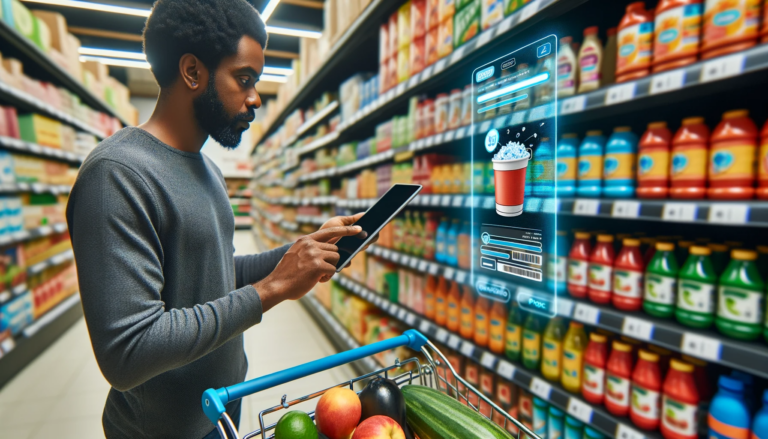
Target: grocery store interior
(603, 274)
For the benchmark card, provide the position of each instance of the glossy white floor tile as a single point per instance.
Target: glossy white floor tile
(62, 393)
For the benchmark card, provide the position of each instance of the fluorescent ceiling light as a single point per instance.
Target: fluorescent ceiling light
(95, 7)
(269, 9)
(116, 62)
(112, 53)
(293, 32)
(278, 70)
(273, 78)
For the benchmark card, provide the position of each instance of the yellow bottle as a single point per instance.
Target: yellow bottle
(457, 174)
(454, 300)
(574, 344)
(552, 349)
(467, 320)
(496, 331)
(467, 176)
(482, 308)
(441, 302)
(437, 179)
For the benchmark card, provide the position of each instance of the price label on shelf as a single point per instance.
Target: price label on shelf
(586, 313)
(723, 67)
(413, 81)
(485, 126)
(668, 81)
(435, 200)
(424, 327)
(423, 265)
(401, 314)
(426, 73)
(400, 88)
(679, 212)
(433, 268)
(461, 276)
(701, 346)
(467, 349)
(505, 369)
(439, 66)
(487, 360)
(458, 201)
(386, 253)
(573, 105)
(730, 213)
(484, 38)
(489, 203)
(413, 262)
(410, 319)
(458, 54)
(584, 206)
(564, 307)
(446, 201)
(441, 335)
(439, 138)
(448, 273)
(624, 432)
(620, 93)
(450, 135)
(505, 25)
(637, 328)
(460, 133)
(540, 388)
(625, 209)
(453, 341)
(529, 11)
(580, 410)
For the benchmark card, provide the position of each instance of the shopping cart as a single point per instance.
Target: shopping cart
(436, 373)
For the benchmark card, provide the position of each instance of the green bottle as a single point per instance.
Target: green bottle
(552, 349)
(661, 281)
(532, 342)
(741, 295)
(514, 342)
(696, 289)
(719, 257)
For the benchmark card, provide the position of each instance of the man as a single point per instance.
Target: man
(164, 299)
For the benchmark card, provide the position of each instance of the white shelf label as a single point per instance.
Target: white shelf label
(722, 67)
(440, 65)
(586, 313)
(664, 82)
(484, 38)
(460, 133)
(458, 54)
(489, 203)
(620, 93)
(701, 346)
(637, 328)
(485, 126)
(424, 326)
(586, 207)
(624, 432)
(529, 11)
(441, 335)
(467, 349)
(505, 369)
(453, 341)
(722, 213)
(413, 262)
(679, 212)
(487, 360)
(433, 268)
(461, 276)
(435, 200)
(423, 265)
(439, 138)
(540, 388)
(426, 73)
(580, 410)
(458, 201)
(413, 81)
(410, 319)
(564, 307)
(446, 201)
(626, 209)
(401, 314)
(400, 88)
(449, 135)
(448, 273)
(574, 104)
(505, 25)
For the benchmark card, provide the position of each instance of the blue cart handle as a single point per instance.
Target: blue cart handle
(215, 400)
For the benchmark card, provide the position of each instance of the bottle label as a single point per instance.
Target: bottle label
(566, 75)
(513, 338)
(730, 18)
(653, 165)
(690, 164)
(481, 327)
(441, 310)
(763, 156)
(566, 168)
(645, 402)
(740, 305)
(497, 332)
(531, 345)
(594, 379)
(590, 71)
(677, 31)
(561, 268)
(600, 277)
(429, 303)
(572, 362)
(660, 289)
(635, 48)
(679, 417)
(466, 319)
(617, 390)
(551, 353)
(619, 166)
(591, 167)
(732, 161)
(577, 272)
(696, 296)
(627, 283)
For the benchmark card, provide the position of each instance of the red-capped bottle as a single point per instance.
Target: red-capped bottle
(653, 161)
(601, 270)
(688, 168)
(646, 391)
(578, 265)
(618, 379)
(595, 360)
(628, 277)
(680, 401)
(732, 157)
(635, 43)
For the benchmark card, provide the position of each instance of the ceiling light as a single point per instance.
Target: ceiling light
(273, 78)
(95, 7)
(116, 62)
(278, 70)
(112, 53)
(269, 9)
(293, 32)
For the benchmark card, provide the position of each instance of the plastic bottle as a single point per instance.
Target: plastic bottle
(664, 357)
(590, 61)
(679, 403)
(762, 261)
(540, 409)
(696, 290)
(555, 423)
(408, 230)
(542, 170)
(730, 26)
(728, 413)
(617, 379)
(566, 69)
(453, 308)
(464, 250)
(760, 423)
(628, 277)
(532, 342)
(653, 161)
(573, 428)
(749, 386)
(595, 361)
(601, 270)
(452, 243)
(661, 281)
(467, 319)
(590, 174)
(574, 345)
(741, 295)
(732, 157)
(482, 311)
(720, 257)
(762, 158)
(441, 238)
(441, 302)
(559, 263)
(578, 266)
(496, 331)
(609, 57)
(419, 235)
(430, 234)
(688, 170)
(619, 164)
(430, 301)
(552, 349)
(646, 391)
(676, 36)
(566, 165)
(635, 43)
(650, 248)
(514, 333)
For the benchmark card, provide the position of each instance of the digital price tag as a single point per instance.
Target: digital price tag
(424, 326)
(580, 410)
(564, 307)
(453, 341)
(441, 335)
(625, 209)
(488, 360)
(624, 432)
(584, 206)
(722, 213)
(505, 369)
(540, 388)
(467, 349)
(573, 105)
(723, 67)
(701, 346)
(637, 328)
(586, 313)
(620, 93)
(668, 81)
(448, 273)
(679, 212)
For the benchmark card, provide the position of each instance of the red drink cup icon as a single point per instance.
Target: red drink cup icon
(509, 177)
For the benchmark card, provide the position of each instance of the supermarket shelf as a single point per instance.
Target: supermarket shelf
(38, 188)
(37, 232)
(705, 344)
(596, 416)
(40, 150)
(39, 336)
(314, 120)
(24, 101)
(337, 334)
(41, 59)
(53, 261)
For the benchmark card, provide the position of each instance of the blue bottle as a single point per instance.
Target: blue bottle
(591, 433)
(540, 417)
(542, 170)
(749, 387)
(728, 413)
(590, 174)
(558, 263)
(441, 241)
(452, 244)
(567, 165)
(573, 428)
(555, 423)
(760, 424)
(619, 164)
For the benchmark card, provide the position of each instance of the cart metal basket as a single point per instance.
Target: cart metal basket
(437, 373)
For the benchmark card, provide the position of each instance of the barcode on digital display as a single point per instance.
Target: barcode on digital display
(521, 272)
(526, 257)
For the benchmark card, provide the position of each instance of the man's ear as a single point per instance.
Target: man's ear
(193, 72)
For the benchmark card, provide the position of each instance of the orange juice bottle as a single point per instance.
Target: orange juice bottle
(454, 301)
(732, 157)
(429, 297)
(676, 36)
(730, 26)
(441, 302)
(762, 158)
(635, 43)
(482, 311)
(467, 319)
(496, 332)
(688, 167)
(653, 161)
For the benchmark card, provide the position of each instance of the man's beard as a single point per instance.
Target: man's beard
(213, 119)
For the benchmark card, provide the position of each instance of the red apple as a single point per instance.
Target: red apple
(379, 427)
(337, 413)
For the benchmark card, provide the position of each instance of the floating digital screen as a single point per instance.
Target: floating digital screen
(514, 109)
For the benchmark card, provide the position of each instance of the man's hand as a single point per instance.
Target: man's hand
(311, 259)
(338, 221)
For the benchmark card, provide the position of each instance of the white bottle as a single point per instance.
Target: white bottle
(590, 61)
(566, 68)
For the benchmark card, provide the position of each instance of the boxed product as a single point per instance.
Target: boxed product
(384, 50)
(393, 29)
(17, 314)
(446, 9)
(466, 23)
(39, 129)
(492, 12)
(9, 122)
(432, 15)
(445, 38)
(29, 26)
(418, 55)
(403, 69)
(404, 25)
(418, 18)
(57, 27)
(431, 44)
(6, 168)
(460, 4)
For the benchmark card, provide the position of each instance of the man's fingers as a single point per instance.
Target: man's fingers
(328, 246)
(324, 235)
(331, 257)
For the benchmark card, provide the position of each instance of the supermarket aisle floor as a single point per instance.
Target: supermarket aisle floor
(62, 393)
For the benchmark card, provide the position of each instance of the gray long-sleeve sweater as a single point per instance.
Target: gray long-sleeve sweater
(165, 300)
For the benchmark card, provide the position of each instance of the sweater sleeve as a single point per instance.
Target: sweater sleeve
(253, 268)
(113, 220)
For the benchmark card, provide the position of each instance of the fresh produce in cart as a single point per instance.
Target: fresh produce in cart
(338, 413)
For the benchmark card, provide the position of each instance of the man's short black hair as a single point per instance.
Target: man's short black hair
(208, 29)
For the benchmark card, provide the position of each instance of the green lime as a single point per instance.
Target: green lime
(295, 425)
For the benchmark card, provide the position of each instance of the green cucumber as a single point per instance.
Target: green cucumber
(433, 415)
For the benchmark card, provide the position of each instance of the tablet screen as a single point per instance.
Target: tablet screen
(375, 219)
